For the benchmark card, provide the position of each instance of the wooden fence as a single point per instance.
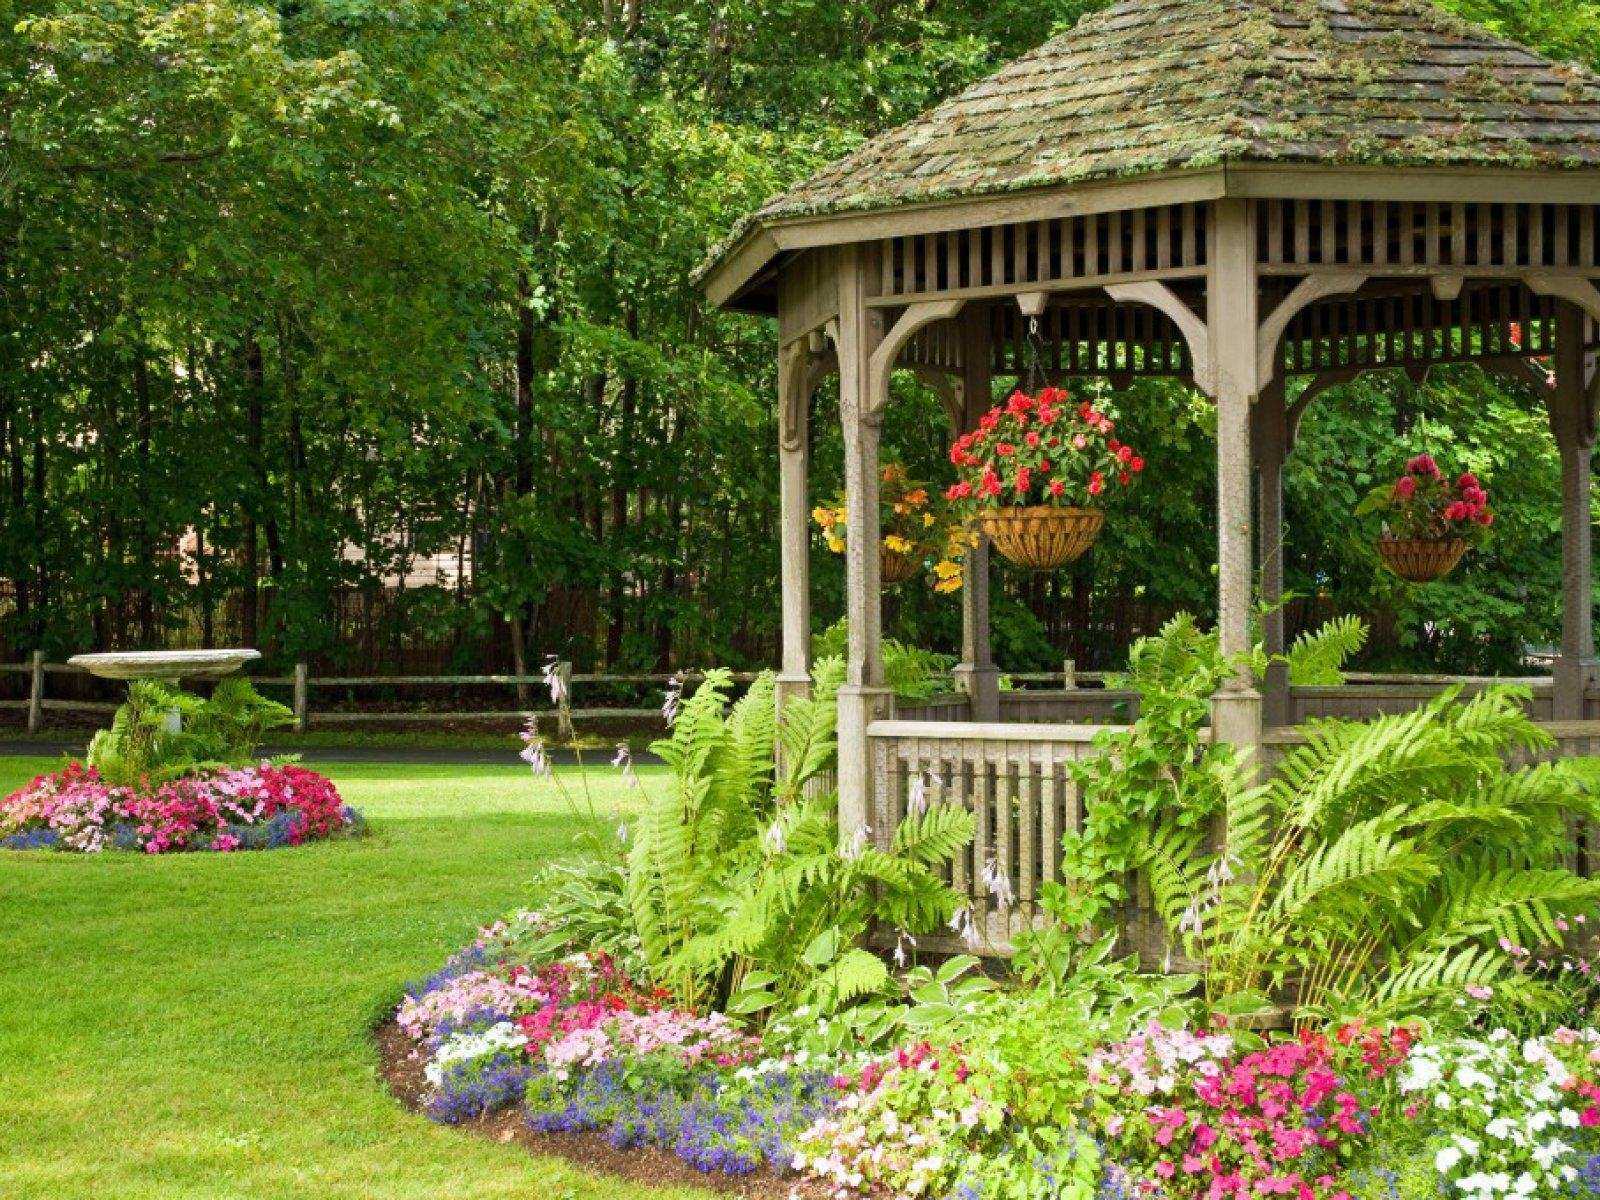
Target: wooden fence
(302, 685)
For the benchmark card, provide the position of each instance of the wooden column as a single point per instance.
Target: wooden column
(1231, 324)
(977, 674)
(1572, 422)
(1271, 438)
(862, 697)
(794, 461)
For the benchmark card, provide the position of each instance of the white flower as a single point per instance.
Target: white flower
(674, 695)
(998, 883)
(1445, 1161)
(917, 795)
(533, 754)
(555, 680)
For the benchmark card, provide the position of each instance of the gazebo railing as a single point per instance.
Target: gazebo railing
(1357, 700)
(1016, 781)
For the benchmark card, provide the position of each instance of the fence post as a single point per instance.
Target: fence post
(302, 690)
(1069, 674)
(36, 693)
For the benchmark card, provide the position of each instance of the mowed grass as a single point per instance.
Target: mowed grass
(197, 1025)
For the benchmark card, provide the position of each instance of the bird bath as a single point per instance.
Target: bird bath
(165, 665)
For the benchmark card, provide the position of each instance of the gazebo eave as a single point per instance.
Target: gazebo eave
(739, 274)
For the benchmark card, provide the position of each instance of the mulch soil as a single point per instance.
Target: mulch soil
(401, 1069)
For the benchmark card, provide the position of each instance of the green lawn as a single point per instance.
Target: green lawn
(196, 1025)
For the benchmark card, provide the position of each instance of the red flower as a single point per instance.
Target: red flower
(1004, 449)
(1032, 437)
(1097, 483)
(1136, 465)
(1056, 487)
(1125, 454)
(1405, 487)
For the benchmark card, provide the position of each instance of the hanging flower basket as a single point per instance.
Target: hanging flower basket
(1039, 536)
(916, 528)
(1428, 521)
(894, 567)
(1418, 561)
(1034, 473)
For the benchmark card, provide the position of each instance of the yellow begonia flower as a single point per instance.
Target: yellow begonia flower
(946, 569)
(927, 520)
(836, 544)
(897, 543)
(823, 516)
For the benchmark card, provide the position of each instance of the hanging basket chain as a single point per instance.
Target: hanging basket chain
(1033, 348)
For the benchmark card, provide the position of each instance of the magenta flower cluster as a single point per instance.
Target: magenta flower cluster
(246, 808)
(1221, 1124)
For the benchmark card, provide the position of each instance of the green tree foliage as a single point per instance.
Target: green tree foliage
(291, 295)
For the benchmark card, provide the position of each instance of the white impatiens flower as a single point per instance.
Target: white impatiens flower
(1507, 1104)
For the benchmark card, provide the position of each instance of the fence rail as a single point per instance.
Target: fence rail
(303, 684)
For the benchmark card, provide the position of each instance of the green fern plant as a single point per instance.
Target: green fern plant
(225, 730)
(739, 891)
(1378, 871)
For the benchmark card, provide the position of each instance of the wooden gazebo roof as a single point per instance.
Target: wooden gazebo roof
(1163, 88)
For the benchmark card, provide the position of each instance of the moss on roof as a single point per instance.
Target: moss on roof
(1162, 85)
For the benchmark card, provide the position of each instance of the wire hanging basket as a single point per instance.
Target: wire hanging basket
(1417, 560)
(1041, 537)
(894, 567)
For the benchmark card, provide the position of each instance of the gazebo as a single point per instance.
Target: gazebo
(1231, 195)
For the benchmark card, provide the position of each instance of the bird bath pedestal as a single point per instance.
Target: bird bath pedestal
(166, 665)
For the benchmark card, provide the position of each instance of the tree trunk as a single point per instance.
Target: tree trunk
(250, 560)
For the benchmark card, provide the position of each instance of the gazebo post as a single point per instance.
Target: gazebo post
(1572, 422)
(862, 696)
(794, 461)
(1272, 446)
(976, 673)
(1231, 331)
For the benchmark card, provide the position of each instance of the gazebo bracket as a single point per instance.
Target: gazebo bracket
(1518, 370)
(924, 312)
(1158, 295)
(946, 389)
(807, 361)
(1447, 286)
(1319, 384)
(1566, 287)
(1317, 286)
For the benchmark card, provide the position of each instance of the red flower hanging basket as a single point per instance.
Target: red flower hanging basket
(1429, 522)
(1418, 561)
(1041, 537)
(1034, 474)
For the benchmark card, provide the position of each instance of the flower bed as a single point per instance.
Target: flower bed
(1025, 1095)
(247, 808)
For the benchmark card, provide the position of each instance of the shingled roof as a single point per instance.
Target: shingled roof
(1151, 86)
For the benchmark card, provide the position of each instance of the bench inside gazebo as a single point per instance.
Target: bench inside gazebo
(1262, 199)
